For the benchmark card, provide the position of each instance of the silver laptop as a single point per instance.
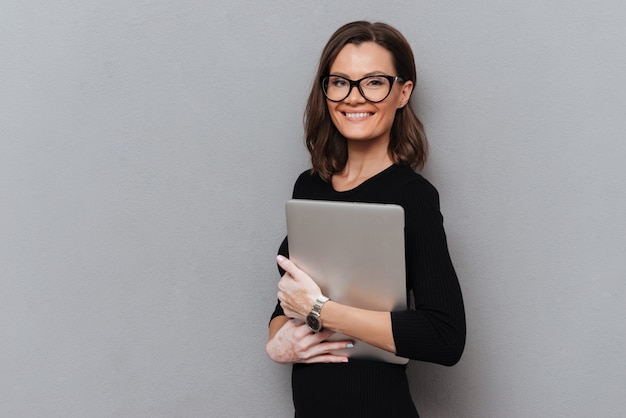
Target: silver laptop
(355, 253)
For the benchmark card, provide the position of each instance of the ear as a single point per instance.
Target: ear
(407, 89)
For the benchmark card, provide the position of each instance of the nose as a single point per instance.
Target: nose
(354, 96)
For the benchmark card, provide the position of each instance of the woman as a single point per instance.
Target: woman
(365, 143)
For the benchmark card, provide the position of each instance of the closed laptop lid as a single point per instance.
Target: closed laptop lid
(355, 253)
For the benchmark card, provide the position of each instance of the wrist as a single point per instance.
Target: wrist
(313, 319)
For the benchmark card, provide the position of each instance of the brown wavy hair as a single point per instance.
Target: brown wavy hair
(328, 148)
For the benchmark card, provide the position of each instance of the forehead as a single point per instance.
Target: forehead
(357, 61)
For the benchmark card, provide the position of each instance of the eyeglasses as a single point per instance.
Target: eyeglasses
(374, 88)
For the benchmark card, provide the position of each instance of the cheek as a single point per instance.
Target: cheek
(388, 116)
(334, 115)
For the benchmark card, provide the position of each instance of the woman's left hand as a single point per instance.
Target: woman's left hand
(297, 292)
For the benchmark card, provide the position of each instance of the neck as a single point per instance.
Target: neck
(365, 155)
(366, 167)
(365, 160)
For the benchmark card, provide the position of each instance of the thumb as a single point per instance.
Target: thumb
(286, 264)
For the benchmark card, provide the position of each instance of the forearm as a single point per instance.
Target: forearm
(293, 342)
(276, 324)
(372, 327)
(431, 336)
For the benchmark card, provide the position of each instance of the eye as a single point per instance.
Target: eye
(374, 82)
(334, 81)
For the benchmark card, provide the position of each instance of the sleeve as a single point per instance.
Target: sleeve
(434, 331)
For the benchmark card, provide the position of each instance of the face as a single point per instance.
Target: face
(356, 118)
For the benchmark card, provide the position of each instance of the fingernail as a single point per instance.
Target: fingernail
(280, 258)
(350, 345)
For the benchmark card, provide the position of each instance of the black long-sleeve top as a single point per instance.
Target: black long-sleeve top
(434, 331)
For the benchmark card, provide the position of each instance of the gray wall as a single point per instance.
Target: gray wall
(147, 149)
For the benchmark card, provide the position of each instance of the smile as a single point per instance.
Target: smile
(357, 115)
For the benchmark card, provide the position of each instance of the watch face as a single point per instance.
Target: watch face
(313, 323)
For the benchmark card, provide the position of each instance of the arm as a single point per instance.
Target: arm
(435, 330)
(298, 293)
(370, 326)
(276, 324)
(291, 341)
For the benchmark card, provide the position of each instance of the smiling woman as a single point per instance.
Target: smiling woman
(365, 143)
(356, 117)
(357, 50)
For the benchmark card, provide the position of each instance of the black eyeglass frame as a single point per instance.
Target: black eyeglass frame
(357, 83)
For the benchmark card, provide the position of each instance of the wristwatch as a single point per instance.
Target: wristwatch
(313, 318)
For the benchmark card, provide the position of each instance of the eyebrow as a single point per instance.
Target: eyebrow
(366, 75)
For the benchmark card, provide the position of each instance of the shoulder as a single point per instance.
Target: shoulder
(413, 183)
(305, 176)
(308, 184)
(418, 196)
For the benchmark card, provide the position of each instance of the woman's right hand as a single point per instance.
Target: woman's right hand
(296, 343)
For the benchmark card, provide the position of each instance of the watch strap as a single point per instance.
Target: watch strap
(319, 302)
(313, 318)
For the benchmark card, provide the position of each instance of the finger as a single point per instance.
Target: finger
(287, 265)
(334, 345)
(327, 358)
(325, 334)
(320, 348)
(305, 332)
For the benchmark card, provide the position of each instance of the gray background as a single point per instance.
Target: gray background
(147, 149)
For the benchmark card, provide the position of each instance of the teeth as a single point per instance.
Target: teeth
(357, 115)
